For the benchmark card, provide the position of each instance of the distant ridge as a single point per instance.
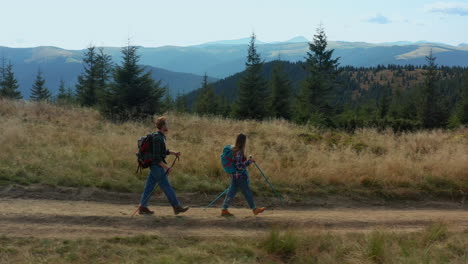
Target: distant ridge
(246, 41)
(59, 64)
(404, 43)
(298, 39)
(242, 41)
(182, 68)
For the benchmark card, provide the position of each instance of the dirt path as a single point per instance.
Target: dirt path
(74, 219)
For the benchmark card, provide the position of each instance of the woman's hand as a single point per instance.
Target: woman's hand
(251, 159)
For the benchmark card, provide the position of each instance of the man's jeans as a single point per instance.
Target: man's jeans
(157, 175)
(241, 183)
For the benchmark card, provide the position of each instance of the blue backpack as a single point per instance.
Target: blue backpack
(227, 160)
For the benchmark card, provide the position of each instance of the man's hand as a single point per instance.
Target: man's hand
(175, 153)
(251, 159)
(165, 167)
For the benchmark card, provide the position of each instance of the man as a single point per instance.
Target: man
(159, 171)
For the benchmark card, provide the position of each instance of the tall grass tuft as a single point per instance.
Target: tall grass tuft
(376, 249)
(435, 232)
(282, 244)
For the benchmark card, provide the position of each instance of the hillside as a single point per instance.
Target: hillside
(307, 164)
(352, 82)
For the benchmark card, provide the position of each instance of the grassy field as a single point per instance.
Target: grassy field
(433, 245)
(70, 146)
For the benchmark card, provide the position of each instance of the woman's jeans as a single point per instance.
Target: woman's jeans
(241, 183)
(157, 175)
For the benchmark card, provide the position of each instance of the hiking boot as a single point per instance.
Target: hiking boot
(257, 211)
(225, 212)
(145, 211)
(179, 209)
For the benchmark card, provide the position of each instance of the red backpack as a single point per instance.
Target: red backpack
(145, 153)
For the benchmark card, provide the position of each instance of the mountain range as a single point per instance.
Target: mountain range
(58, 64)
(181, 68)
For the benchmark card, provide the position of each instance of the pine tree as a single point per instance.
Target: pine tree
(39, 92)
(168, 102)
(2, 69)
(71, 95)
(252, 94)
(395, 108)
(133, 93)
(385, 100)
(8, 83)
(93, 82)
(303, 106)
(62, 95)
(280, 86)
(431, 112)
(104, 69)
(409, 104)
(454, 121)
(2, 74)
(180, 104)
(225, 108)
(463, 105)
(65, 96)
(87, 86)
(207, 102)
(315, 94)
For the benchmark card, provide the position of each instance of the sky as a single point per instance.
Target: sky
(153, 23)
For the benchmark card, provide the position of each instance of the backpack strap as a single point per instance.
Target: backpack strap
(229, 163)
(139, 169)
(229, 159)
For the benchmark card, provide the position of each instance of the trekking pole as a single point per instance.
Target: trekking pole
(269, 183)
(156, 186)
(217, 198)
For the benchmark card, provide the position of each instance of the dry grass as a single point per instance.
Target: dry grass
(278, 247)
(75, 147)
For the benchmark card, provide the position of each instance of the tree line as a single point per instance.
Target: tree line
(317, 91)
(124, 91)
(329, 96)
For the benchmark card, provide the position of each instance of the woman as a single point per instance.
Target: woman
(240, 179)
(158, 171)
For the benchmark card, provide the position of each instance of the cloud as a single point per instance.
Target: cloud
(379, 19)
(449, 8)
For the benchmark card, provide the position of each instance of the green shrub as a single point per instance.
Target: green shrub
(376, 247)
(283, 245)
(359, 147)
(435, 232)
(310, 137)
